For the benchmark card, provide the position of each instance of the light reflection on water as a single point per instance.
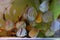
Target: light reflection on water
(30, 39)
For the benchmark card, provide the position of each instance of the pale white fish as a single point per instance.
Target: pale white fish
(32, 13)
(20, 24)
(44, 6)
(9, 25)
(21, 32)
(49, 33)
(47, 17)
(55, 26)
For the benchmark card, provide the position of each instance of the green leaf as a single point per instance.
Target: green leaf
(41, 35)
(55, 8)
(43, 26)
